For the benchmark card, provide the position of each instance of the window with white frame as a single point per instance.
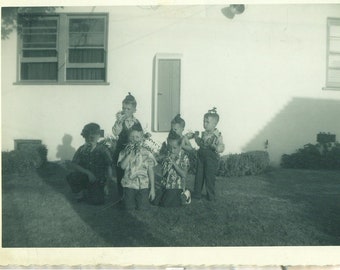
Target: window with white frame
(333, 54)
(63, 48)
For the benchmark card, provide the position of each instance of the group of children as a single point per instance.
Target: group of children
(134, 162)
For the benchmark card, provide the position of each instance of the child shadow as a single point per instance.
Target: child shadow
(65, 151)
(117, 227)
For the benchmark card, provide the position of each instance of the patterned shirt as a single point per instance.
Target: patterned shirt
(212, 139)
(97, 161)
(136, 172)
(171, 179)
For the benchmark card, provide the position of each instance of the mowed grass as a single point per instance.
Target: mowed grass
(279, 208)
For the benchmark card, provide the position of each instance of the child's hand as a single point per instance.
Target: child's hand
(152, 194)
(213, 147)
(199, 141)
(111, 178)
(190, 135)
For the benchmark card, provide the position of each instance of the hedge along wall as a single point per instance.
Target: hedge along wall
(249, 163)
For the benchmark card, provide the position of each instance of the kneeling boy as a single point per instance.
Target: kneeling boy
(92, 167)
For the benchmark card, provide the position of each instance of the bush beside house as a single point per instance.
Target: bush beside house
(314, 156)
(24, 160)
(249, 163)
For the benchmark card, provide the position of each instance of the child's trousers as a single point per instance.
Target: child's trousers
(207, 165)
(119, 171)
(136, 199)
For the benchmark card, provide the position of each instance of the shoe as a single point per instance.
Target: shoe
(185, 197)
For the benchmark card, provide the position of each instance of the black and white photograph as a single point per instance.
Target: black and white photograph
(170, 125)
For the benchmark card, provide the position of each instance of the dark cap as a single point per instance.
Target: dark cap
(91, 128)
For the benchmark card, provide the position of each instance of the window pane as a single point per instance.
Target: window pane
(35, 21)
(39, 45)
(39, 53)
(40, 38)
(46, 30)
(86, 56)
(334, 60)
(85, 74)
(334, 45)
(334, 30)
(39, 32)
(39, 71)
(86, 25)
(333, 77)
(87, 40)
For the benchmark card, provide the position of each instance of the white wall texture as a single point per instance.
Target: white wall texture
(264, 71)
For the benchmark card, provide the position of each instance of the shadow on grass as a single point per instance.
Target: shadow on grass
(118, 228)
(317, 191)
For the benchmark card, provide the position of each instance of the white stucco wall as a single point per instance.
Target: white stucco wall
(264, 71)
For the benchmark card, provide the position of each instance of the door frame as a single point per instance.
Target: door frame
(161, 56)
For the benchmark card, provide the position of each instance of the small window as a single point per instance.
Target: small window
(63, 48)
(333, 54)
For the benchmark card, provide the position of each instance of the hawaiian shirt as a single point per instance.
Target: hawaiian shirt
(170, 178)
(212, 139)
(136, 172)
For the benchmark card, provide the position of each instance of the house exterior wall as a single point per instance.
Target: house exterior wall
(264, 71)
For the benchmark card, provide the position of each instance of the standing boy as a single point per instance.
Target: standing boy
(92, 167)
(125, 120)
(137, 162)
(210, 146)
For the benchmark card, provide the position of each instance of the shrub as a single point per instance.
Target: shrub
(314, 156)
(249, 163)
(24, 160)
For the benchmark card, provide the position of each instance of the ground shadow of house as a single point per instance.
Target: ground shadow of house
(295, 125)
(117, 227)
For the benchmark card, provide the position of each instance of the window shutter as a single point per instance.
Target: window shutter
(333, 53)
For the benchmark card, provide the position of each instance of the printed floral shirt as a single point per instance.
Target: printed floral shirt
(171, 179)
(212, 139)
(136, 172)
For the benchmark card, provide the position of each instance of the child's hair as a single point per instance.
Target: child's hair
(130, 99)
(178, 120)
(91, 128)
(136, 127)
(213, 114)
(173, 136)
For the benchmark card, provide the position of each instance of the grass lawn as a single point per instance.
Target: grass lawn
(279, 208)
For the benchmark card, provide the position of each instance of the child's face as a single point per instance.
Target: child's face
(92, 138)
(135, 136)
(174, 147)
(177, 128)
(128, 109)
(209, 123)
